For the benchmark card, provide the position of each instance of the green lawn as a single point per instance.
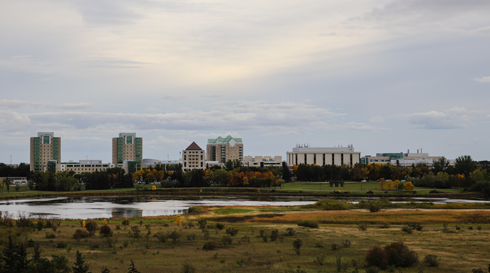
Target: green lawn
(353, 187)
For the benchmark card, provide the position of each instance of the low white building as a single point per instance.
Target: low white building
(304, 154)
(84, 166)
(403, 159)
(262, 161)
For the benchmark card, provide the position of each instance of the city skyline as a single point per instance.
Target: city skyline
(384, 75)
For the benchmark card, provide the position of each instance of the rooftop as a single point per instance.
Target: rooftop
(193, 146)
(224, 140)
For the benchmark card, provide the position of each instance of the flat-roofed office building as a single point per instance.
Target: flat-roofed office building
(45, 148)
(303, 154)
(84, 166)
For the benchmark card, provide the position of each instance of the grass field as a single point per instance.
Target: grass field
(460, 250)
(296, 187)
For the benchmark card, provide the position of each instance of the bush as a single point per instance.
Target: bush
(79, 234)
(432, 260)
(162, 236)
(220, 226)
(125, 222)
(226, 240)
(335, 246)
(308, 223)
(385, 225)
(191, 237)
(91, 227)
(246, 239)
(232, 231)
(274, 234)
(174, 235)
(362, 227)
(202, 223)
(105, 231)
(400, 256)
(61, 245)
(407, 229)
(346, 243)
(376, 257)
(188, 268)
(211, 245)
(290, 231)
(297, 244)
(194, 210)
(331, 204)
(50, 235)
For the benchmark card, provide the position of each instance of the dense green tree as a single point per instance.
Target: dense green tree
(465, 165)
(440, 165)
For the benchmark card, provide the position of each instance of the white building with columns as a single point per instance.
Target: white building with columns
(304, 154)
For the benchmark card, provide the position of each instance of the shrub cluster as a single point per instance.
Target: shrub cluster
(308, 223)
(396, 254)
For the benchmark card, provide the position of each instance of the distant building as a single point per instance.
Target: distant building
(303, 154)
(403, 159)
(84, 166)
(44, 148)
(152, 163)
(262, 161)
(127, 152)
(193, 158)
(224, 149)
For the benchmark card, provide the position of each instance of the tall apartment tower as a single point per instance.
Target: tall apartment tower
(224, 149)
(45, 151)
(127, 152)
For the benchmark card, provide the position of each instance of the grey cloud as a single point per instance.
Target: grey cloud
(107, 12)
(427, 10)
(231, 115)
(449, 119)
(483, 79)
(16, 104)
(173, 97)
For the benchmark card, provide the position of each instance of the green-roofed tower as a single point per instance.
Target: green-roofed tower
(224, 149)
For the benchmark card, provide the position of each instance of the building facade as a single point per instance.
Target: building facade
(262, 161)
(84, 166)
(224, 149)
(193, 158)
(127, 152)
(403, 159)
(45, 148)
(303, 154)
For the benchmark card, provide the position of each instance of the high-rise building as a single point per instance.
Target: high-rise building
(127, 152)
(193, 158)
(224, 149)
(45, 148)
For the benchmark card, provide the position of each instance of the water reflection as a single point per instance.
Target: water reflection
(132, 206)
(138, 206)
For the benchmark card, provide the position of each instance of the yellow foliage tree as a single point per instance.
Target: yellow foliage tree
(409, 186)
(178, 220)
(83, 223)
(396, 184)
(153, 188)
(389, 184)
(104, 222)
(382, 182)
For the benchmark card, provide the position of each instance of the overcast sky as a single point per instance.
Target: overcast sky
(383, 75)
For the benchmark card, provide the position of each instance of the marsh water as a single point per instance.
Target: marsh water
(140, 206)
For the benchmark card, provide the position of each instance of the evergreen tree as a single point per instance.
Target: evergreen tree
(286, 174)
(80, 266)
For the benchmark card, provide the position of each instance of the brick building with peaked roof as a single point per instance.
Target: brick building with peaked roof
(193, 158)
